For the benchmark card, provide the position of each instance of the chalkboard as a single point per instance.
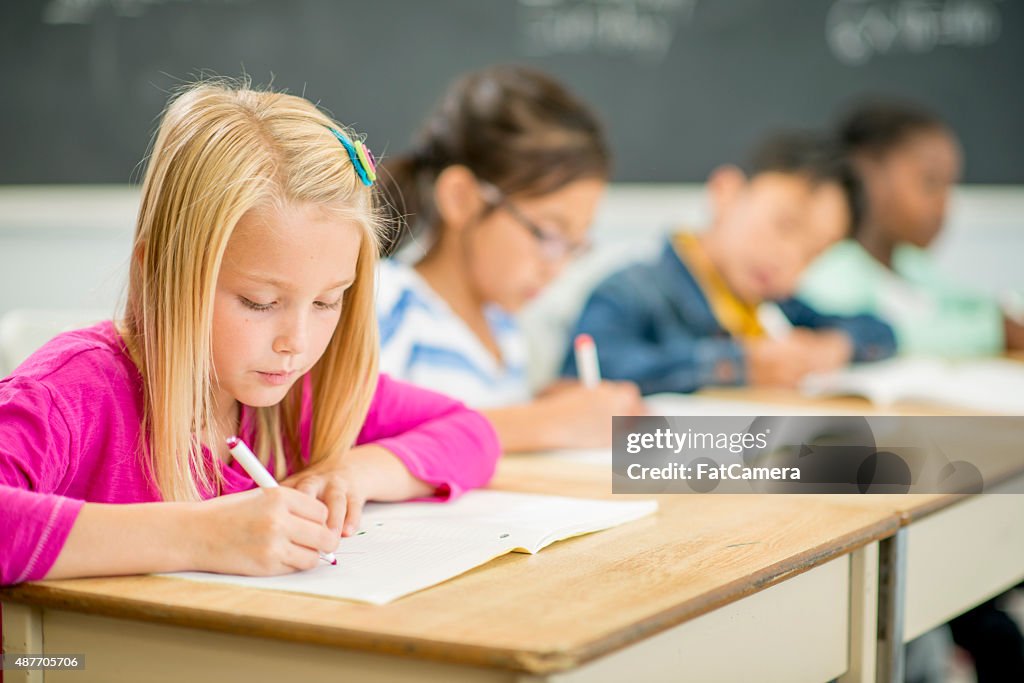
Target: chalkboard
(682, 84)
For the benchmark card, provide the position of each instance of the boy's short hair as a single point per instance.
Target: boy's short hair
(818, 158)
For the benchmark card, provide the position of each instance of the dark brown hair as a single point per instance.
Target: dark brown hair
(819, 158)
(512, 126)
(877, 126)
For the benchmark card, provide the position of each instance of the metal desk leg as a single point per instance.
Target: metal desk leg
(892, 592)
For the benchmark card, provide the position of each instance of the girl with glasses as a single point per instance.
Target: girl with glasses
(495, 198)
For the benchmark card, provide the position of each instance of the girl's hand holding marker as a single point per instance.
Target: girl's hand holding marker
(247, 459)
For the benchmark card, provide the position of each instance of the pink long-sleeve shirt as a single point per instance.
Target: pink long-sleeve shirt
(70, 422)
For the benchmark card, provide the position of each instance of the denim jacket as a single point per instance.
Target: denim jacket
(653, 325)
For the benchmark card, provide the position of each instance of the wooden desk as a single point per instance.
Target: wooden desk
(752, 587)
(950, 554)
(961, 553)
(953, 552)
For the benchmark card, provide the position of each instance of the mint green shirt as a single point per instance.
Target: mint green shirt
(930, 314)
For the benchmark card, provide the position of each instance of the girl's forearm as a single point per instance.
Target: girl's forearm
(109, 539)
(389, 478)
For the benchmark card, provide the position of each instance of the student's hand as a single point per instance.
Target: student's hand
(775, 362)
(558, 385)
(785, 362)
(262, 532)
(582, 417)
(824, 350)
(344, 482)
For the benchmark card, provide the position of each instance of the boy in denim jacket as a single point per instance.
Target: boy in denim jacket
(696, 315)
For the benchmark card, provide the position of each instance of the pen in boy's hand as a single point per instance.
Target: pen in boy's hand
(247, 459)
(775, 323)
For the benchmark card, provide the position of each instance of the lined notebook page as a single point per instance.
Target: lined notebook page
(405, 547)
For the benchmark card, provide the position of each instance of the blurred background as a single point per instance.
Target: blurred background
(683, 85)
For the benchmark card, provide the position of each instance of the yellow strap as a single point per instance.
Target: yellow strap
(735, 315)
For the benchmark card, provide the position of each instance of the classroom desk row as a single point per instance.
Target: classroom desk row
(712, 588)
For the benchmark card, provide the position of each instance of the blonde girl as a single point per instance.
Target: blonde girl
(249, 312)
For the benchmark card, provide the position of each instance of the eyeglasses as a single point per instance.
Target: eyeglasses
(553, 247)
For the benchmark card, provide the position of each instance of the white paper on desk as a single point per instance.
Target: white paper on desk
(992, 385)
(405, 547)
(690, 405)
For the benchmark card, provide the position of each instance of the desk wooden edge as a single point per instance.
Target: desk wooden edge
(535, 661)
(908, 517)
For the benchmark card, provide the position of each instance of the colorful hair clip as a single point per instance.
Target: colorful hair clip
(361, 157)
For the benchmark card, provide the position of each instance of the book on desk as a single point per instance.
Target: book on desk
(402, 548)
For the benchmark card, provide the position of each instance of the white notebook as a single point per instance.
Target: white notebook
(990, 386)
(405, 547)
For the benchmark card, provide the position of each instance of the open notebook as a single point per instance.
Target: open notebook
(405, 547)
(990, 386)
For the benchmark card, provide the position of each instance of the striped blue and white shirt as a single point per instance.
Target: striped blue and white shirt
(424, 342)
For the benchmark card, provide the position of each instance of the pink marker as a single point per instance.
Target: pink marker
(251, 464)
(586, 361)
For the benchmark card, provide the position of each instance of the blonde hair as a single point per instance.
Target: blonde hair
(221, 150)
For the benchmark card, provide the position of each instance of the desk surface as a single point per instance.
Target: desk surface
(909, 508)
(573, 602)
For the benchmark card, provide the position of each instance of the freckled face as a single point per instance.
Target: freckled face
(278, 299)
